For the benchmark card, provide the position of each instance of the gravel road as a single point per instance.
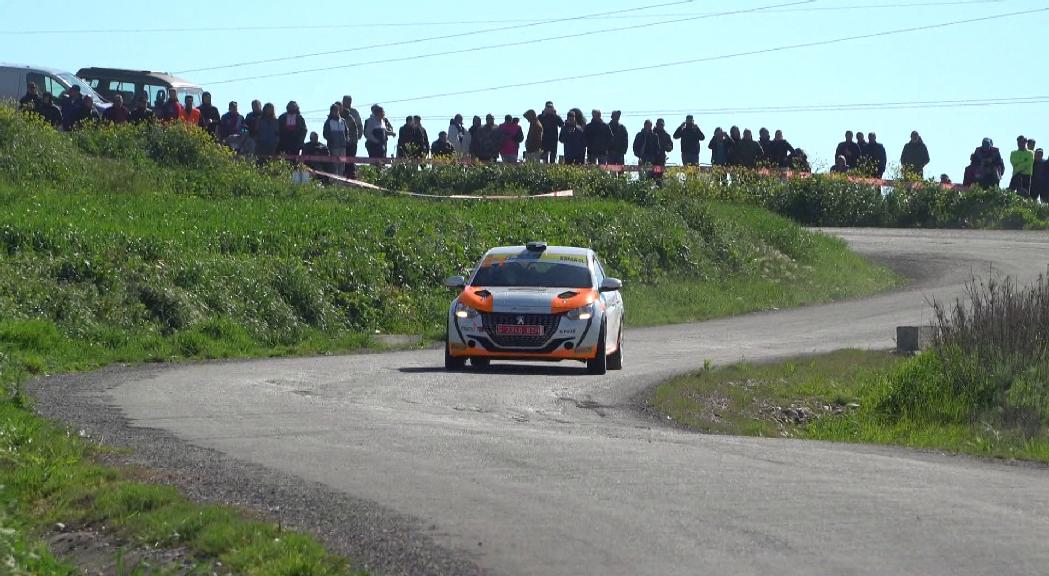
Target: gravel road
(545, 470)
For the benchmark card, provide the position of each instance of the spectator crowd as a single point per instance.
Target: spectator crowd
(263, 134)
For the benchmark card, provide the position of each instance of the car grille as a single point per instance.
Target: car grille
(549, 323)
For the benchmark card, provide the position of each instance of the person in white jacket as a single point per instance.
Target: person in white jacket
(458, 136)
(377, 131)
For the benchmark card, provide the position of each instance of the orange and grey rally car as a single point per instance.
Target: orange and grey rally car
(536, 302)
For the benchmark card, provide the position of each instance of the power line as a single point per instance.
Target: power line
(723, 56)
(430, 38)
(532, 21)
(501, 45)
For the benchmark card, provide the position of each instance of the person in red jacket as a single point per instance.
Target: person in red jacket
(512, 136)
(170, 110)
(189, 114)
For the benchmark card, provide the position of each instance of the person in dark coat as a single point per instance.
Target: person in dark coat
(764, 140)
(720, 148)
(142, 111)
(778, 151)
(646, 147)
(800, 161)
(598, 139)
(251, 120)
(86, 113)
(71, 103)
(690, 135)
(487, 140)
(316, 148)
(747, 152)
(666, 143)
(31, 101)
(267, 138)
(915, 157)
(422, 139)
(989, 165)
(1040, 177)
(841, 166)
(291, 130)
(50, 111)
(406, 138)
(734, 138)
(620, 140)
(117, 113)
(231, 123)
(210, 117)
(442, 147)
(574, 139)
(552, 124)
(849, 149)
(873, 160)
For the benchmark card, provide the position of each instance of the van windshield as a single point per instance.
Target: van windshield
(85, 88)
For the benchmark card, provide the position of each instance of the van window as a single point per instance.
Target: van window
(45, 84)
(125, 89)
(152, 90)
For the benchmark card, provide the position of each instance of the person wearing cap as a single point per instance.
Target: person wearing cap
(690, 135)
(71, 102)
(552, 123)
(915, 157)
(988, 165)
(117, 113)
(598, 139)
(1022, 161)
(142, 111)
(620, 140)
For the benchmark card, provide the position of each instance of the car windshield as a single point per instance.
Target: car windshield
(532, 273)
(85, 88)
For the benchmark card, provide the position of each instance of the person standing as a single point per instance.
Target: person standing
(422, 139)
(488, 140)
(511, 137)
(874, 160)
(915, 157)
(690, 135)
(598, 139)
(406, 138)
(209, 115)
(720, 148)
(117, 113)
(473, 137)
(647, 148)
(1022, 161)
(849, 149)
(734, 138)
(87, 113)
(534, 140)
(292, 130)
(268, 132)
(778, 151)
(355, 129)
(1040, 177)
(172, 110)
(71, 103)
(189, 114)
(666, 145)
(142, 111)
(31, 101)
(337, 135)
(457, 136)
(574, 139)
(251, 121)
(231, 123)
(377, 132)
(620, 140)
(747, 153)
(861, 142)
(552, 123)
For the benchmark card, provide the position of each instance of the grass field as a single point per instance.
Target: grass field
(153, 244)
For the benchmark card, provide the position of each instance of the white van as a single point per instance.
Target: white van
(15, 79)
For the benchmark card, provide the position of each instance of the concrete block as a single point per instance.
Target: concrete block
(911, 339)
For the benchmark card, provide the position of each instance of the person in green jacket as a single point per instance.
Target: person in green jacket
(915, 157)
(1022, 160)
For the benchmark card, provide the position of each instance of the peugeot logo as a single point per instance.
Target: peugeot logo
(520, 321)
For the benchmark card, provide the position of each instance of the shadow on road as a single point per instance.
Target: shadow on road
(503, 369)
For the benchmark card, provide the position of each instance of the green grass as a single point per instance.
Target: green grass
(152, 244)
(842, 397)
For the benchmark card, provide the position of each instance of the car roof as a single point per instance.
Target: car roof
(175, 81)
(45, 69)
(565, 250)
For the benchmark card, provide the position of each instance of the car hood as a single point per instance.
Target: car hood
(527, 300)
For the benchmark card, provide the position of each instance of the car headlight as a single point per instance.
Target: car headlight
(581, 313)
(464, 312)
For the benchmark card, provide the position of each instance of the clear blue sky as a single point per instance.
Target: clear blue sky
(986, 60)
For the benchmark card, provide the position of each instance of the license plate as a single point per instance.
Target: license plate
(518, 330)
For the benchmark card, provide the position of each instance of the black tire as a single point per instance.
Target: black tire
(615, 360)
(480, 362)
(599, 365)
(452, 362)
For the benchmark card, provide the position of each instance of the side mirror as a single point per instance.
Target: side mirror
(457, 282)
(611, 285)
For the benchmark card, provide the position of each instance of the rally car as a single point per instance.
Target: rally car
(536, 302)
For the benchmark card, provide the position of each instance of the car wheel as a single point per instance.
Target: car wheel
(480, 362)
(452, 362)
(615, 360)
(599, 365)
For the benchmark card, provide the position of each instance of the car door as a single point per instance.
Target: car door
(613, 304)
